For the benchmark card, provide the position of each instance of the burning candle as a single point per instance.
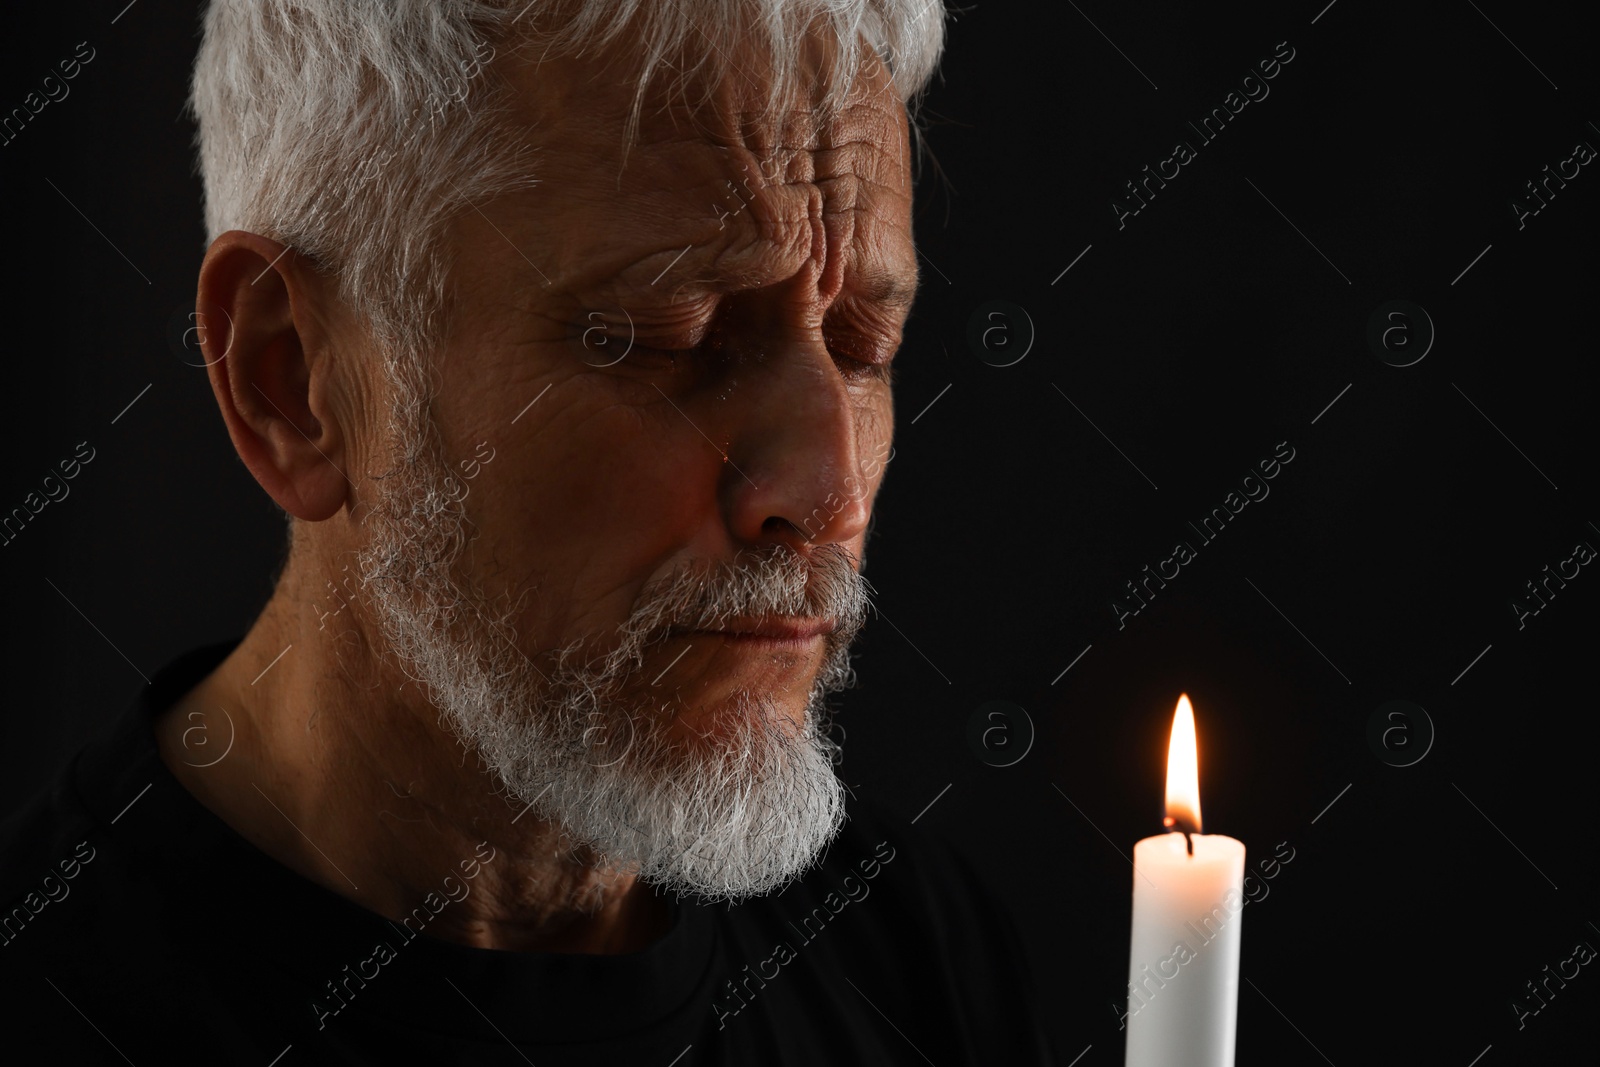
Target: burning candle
(1188, 900)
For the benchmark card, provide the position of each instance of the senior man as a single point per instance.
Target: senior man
(561, 333)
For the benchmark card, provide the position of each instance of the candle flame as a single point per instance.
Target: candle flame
(1183, 771)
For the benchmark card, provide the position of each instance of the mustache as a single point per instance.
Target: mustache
(773, 580)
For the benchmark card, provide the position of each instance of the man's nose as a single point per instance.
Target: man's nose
(798, 439)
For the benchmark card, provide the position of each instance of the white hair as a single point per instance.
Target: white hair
(353, 130)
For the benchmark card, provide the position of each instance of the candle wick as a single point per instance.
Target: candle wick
(1184, 826)
(1179, 824)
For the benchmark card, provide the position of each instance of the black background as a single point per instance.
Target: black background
(1224, 318)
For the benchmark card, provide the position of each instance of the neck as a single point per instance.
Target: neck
(341, 770)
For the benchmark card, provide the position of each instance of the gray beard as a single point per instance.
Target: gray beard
(738, 811)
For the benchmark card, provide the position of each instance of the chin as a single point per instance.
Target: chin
(726, 719)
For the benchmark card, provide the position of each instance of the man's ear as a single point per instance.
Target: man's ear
(266, 347)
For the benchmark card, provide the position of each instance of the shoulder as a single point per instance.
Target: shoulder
(46, 846)
(80, 807)
(45, 838)
(75, 865)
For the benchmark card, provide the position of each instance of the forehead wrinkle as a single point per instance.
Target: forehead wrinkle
(764, 244)
(732, 113)
(853, 174)
(766, 216)
(851, 159)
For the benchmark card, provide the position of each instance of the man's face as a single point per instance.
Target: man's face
(661, 420)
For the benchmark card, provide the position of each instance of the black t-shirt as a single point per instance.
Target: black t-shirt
(138, 927)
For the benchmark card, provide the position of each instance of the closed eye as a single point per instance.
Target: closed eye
(647, 357)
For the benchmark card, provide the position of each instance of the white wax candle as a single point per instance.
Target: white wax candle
(1183, 957)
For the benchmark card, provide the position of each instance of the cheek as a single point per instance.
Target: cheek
(625, 469)
(589, 503)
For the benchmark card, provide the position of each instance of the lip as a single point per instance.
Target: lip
(774, 631)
